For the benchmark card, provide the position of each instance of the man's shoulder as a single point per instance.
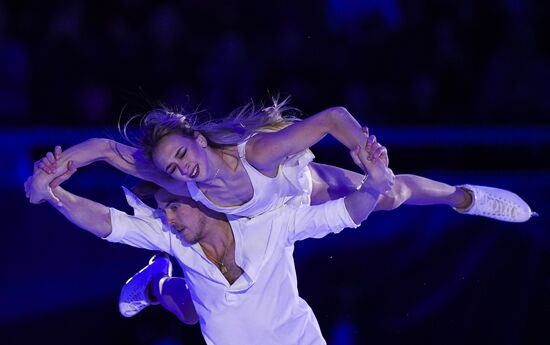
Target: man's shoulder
(276, 218)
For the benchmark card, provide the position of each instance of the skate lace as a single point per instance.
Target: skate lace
(137, 302)
(134, 300)
(132, 307)
(497, 206)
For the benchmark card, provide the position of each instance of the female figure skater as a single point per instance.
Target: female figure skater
(254, 161)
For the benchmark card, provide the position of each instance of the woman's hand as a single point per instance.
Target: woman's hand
(38, 187)
(371, 160)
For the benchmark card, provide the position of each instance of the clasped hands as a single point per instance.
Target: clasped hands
(46, 177)
(373, 160)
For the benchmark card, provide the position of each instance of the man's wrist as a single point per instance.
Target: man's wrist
(368, 187)
(51, 199)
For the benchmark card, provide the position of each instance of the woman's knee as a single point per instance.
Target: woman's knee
(396, 197)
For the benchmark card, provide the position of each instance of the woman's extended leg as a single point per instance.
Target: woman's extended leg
(330, 183)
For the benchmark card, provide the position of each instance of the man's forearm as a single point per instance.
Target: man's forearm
(84, 213)
(361, 203)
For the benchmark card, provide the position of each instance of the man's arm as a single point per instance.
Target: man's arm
(332, 216)
(96, 219)
(335, 215)
(84, 213)
(362, 202)
(142, 230)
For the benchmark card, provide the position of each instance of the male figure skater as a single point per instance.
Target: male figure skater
(239, 272)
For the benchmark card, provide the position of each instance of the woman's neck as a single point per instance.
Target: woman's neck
(223, 163)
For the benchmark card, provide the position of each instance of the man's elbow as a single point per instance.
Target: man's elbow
(359, 217)
(104, 233)
(106, 227)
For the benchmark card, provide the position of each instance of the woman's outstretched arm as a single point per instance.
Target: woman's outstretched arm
(266, 151)
(125, 158)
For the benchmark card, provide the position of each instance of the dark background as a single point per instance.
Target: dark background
(457, 90)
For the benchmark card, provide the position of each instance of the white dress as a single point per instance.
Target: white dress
(292, 185)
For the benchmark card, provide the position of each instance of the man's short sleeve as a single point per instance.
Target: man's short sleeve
(319, 220)
(138, 231)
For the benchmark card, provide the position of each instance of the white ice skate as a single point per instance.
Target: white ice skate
(134, 295)
(498, 204)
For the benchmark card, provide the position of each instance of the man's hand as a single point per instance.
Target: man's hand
(37, 188)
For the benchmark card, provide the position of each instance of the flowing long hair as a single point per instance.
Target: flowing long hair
(237, 127)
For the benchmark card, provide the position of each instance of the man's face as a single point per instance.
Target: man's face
(183, 216)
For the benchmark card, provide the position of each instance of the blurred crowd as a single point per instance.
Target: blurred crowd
(394, 62)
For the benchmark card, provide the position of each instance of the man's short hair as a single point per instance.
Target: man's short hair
(146, 190)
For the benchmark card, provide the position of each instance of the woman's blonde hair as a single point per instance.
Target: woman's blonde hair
(237, 127)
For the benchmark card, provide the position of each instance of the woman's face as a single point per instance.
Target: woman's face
(184, 158)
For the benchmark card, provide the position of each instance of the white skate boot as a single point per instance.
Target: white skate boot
(134, 295)
(496, 203)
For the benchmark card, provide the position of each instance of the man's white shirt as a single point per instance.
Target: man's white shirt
(262, 306)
